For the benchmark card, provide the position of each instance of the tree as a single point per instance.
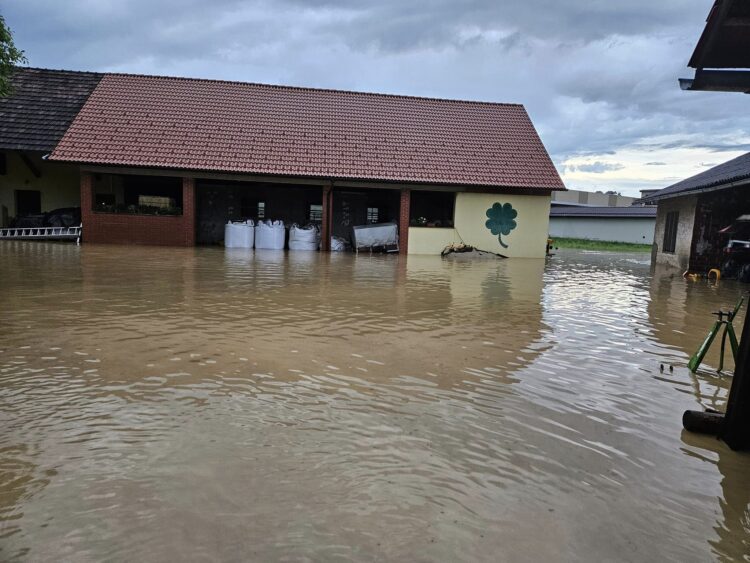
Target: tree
(10, 56)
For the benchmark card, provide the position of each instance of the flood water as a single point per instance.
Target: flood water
(206, 405)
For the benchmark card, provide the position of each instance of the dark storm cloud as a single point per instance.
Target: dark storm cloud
(596, 76)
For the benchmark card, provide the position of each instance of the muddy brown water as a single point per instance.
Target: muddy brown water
(207, 405)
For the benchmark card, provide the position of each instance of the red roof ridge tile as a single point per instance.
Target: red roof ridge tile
(314, 89)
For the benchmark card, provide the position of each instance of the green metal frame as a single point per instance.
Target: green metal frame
(697, 358)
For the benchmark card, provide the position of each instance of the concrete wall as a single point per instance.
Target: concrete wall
(618, 229)
(686, 207)
(527, 240)
(58, 183)
(592, 198)
(426, 240)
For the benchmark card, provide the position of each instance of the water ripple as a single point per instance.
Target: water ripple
(210, 405)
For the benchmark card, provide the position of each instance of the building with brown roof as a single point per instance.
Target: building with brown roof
(696, 217)
(212, 151)
(32, 122)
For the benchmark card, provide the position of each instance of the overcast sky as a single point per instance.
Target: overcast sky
(598, 77)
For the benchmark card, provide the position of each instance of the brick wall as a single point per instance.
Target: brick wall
(112, 228)
(403, 222)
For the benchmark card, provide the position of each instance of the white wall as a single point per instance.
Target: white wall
(638, 230)
(593, 198)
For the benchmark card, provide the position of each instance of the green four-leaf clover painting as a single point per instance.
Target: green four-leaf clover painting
(501, 220)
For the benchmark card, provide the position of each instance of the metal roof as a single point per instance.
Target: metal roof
(631, 212)
(719, 177)
(211, 125)
(42, 106)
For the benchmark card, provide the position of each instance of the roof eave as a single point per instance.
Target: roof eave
(533, 190)
(710, 80)
(700, 190)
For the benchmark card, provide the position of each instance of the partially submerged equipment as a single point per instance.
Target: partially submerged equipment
(377, 236)
(725, 318)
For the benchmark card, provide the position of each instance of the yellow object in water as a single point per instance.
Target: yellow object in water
(714, 271)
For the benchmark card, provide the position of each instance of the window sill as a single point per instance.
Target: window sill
(127, 214)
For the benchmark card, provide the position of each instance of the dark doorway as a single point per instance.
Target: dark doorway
(28, 202)
(353, 208)
(218, 202)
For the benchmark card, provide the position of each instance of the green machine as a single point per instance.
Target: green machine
(725, 318)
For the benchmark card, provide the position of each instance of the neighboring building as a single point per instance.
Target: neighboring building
(645, 198)
(596, 199)
(32, 122)
(634, 224)
(692, 212)
(170, 160)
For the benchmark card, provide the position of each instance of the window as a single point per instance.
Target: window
(670, 231)
(3, 164)
(137, 195)
(372, 214)
(431, 209)
(316, 213)
(104, 201)
(251, 208)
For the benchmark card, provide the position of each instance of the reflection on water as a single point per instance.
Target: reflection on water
(198, 404)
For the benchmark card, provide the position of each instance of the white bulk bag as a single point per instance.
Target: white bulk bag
(303, 238)
(270, 235)
(239, 235)
(338, 244)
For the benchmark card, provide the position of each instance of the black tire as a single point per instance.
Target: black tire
(729, 269)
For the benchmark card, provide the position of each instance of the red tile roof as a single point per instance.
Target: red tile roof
(209, 125)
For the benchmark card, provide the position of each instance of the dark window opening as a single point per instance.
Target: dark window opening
(3, 164)
(142, 195)
(373, 213)
(670, 231)
(251, 208)
(28, 202)
(103, 200)
(432, 209)
(316, 213)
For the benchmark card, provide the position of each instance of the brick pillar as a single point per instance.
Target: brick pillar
(325, 231)
(87, 203)
(188, 210)
(403, 222)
